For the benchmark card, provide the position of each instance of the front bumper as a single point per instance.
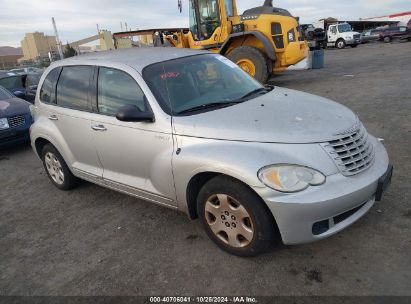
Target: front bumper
(16, 135)
(11, 137)
(353, 41)
(319, 212)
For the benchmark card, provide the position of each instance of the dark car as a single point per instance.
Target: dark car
(15, 119)
(370, 35)
(395, 32)
(21, 85)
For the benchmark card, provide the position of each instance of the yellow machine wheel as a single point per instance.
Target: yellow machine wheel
(247, 65)
(252, 61)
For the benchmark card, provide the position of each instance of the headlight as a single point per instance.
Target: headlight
(290, 178)
(4, 124)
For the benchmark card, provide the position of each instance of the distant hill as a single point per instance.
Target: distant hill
(8, 50)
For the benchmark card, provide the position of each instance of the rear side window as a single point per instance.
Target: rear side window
(47, 92)
(117, 89)
(14, 82)
(73, 87)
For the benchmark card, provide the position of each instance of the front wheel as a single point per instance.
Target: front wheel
(252, 61)
(235, 218)
(340, 44)
(387, 39)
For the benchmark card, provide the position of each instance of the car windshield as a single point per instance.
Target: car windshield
(199, 83)
(342, 28)
(4, 94)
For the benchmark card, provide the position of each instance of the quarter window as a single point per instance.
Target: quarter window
(73, 87)
(47, 92)
(117, 89)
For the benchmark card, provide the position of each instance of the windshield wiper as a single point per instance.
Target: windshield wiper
(208, 106)
(265, 89)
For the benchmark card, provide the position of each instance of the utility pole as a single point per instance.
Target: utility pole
(57, 39)
(121, 24)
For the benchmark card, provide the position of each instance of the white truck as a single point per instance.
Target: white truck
(339, 35)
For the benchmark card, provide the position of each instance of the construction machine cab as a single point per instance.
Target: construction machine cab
(262, 41)
(209, 19)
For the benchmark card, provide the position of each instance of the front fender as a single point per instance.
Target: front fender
(240, 160)
(268, 46)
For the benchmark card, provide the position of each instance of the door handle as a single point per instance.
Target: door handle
(53, 117)
(99, 128)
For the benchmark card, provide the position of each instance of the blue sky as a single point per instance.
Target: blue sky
(77, 19)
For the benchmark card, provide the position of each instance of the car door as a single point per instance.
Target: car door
(401, 31)
(332, 33)
(136, 156)
(70, 115)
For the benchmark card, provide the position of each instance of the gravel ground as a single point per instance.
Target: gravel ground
(94, 241)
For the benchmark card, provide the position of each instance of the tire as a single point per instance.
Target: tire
(354, 45)
(244, 55)
(387, 39)
(57, 169)
(340, 44)
(221, 204)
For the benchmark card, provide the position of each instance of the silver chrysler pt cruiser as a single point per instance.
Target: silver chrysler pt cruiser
(191, 131)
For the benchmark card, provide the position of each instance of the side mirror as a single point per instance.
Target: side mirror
(19, 94)
(134, 114)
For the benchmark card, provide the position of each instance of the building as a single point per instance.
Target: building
(9, 57)
(36, 47)
(402, 18)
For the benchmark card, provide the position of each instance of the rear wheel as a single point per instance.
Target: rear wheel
(340, 44)
(235, 218)
(252, 61)
(57, 169)
(354, 45)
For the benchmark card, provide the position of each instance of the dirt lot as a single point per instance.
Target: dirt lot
(94, 241)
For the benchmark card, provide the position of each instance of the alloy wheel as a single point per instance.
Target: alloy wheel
(54, 168)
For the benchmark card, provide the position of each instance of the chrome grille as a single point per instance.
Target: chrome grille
(16, 121)
(352, 153)
(357, 36)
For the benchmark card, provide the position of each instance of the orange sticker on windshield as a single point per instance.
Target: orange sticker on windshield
(169, 75)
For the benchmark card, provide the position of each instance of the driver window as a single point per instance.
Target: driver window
(333, 30)
(117, 89)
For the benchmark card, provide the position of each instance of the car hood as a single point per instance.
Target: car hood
(13, 106)
(281, 116)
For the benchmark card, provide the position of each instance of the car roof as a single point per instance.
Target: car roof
(138, 58)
